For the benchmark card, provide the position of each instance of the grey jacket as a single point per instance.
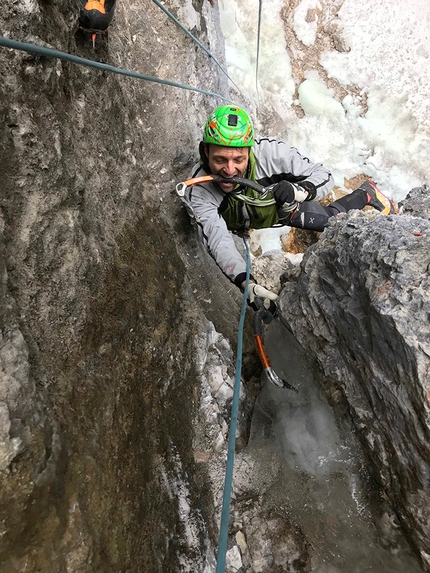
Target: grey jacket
(275, 160)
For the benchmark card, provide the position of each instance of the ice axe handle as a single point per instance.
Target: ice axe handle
(180, 187)
(260, 316)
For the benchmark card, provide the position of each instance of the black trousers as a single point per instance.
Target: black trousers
(313, 216)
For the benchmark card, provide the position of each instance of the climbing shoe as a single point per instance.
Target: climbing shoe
(377, 199)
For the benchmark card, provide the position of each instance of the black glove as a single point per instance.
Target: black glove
(266, 297)
(310, 188)
(283, 192)
(272, 308)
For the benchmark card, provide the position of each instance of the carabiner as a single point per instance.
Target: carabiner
(180, 188)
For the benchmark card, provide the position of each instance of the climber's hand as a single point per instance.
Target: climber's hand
(283, 192)
(287, 195)
(266, 296)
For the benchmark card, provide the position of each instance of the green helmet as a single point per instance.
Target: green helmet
(230, 126)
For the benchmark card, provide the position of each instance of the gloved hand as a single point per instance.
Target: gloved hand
(268, 297)
(283, 192)
(289, 194)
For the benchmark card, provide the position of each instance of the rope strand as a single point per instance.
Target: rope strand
(166, 11)
(228, 482)
(258, 44)
(35, 49)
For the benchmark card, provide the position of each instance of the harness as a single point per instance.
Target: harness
(244, 209)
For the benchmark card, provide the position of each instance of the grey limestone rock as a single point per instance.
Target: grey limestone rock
(361, 307)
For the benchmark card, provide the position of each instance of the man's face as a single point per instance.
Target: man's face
(228, 162)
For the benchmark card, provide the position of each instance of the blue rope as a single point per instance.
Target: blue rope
(33, 48)
(258, 45)
(197, 42)
(228, 482)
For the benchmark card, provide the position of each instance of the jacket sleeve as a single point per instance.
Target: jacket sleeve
(203, 204)
(276, 160)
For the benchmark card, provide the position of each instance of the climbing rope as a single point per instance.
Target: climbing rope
(228, 482)
(35, 49)
(258, 44)
(166, 11)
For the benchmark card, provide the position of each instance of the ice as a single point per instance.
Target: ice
(382, 127)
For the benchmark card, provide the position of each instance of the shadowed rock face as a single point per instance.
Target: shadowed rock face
(98, 390)
(360, 306)
(97, 423)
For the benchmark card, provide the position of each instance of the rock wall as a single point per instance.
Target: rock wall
(116, 341)
(360, 307)
(102, 296)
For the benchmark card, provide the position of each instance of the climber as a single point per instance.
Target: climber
(229, 149)
(96, 16)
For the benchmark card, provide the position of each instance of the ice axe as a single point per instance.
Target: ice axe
(262, 315)
(180, 187)
(263, 191)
